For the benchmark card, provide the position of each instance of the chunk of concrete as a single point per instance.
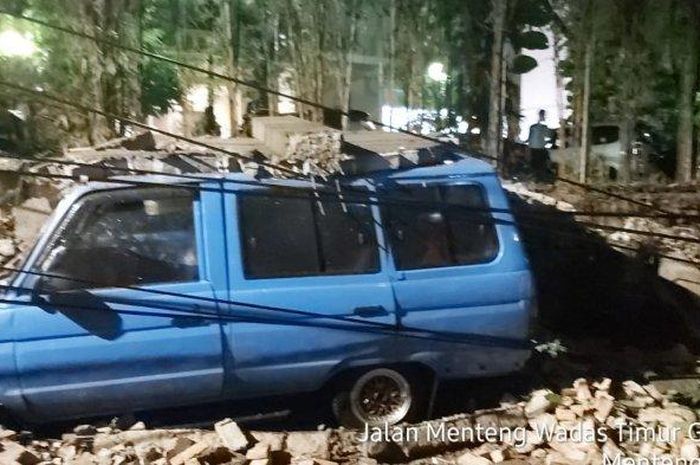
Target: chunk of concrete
(274, 440)
(30, 218)
(472, 459)
(261, 450)
(7, 248)
(682, 274)
(603, 405)
(13, 453)
(583, 392)
(190, 453)
(231, 435)
(538, 404)
(309, 444)
(177, 446)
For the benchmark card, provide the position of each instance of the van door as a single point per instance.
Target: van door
(305, 263)
(457, 271)
(96, 343)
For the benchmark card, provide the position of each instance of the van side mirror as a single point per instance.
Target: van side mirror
(43, 291)
(48, 285)
(44, 285)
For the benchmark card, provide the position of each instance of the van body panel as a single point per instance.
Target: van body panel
(493, 298)
(103, 351)
(295, 352)
(102, 361)
(233, 334)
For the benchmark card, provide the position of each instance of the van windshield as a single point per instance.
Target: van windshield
(440, 226)
(123, 238)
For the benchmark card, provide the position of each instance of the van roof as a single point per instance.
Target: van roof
(463, 166)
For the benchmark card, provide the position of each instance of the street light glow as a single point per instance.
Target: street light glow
(14, 44)
(436, 72)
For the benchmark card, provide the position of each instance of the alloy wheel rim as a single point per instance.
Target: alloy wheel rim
(381, 397)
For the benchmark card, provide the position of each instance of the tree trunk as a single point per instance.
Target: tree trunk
(585, 148)
(271, 76)
(626, 139)
(187, 115)
(689, 77)
(232, 33)
(561, 93)
(514, 114)
(392, 60)
(95, 123)
(628, 118)
(348, 46)
(136, 80)
(493, 135)
(503, 92)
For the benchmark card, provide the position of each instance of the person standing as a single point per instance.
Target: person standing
(539, 155)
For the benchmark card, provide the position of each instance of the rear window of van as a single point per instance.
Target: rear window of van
(439, 226)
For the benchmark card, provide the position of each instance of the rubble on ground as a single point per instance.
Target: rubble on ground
(579, 424)
(9, 248)
(575, 199)
(674, 257)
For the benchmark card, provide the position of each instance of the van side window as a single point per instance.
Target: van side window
(436, 231)
(288, 233)
(125, 237)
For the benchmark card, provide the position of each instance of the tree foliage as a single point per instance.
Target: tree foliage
(644, 69)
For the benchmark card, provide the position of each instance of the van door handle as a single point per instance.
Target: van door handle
(370, 311)
(190, 321)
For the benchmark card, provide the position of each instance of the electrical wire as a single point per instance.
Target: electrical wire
(596, 241)
(348, 200)
(210, 73)
(269, 165)
(267, 90)
(138, 124)
(361, 326)
(383, 197)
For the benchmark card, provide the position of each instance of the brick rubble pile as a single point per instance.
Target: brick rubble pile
(577, 425)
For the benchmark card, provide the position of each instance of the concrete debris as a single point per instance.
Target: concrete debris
(539, 403)
(29, 218)
(541, 418)
(191, 452)
(142, 141)
(231, 435)
(296, 142)
(309, 444)
(564, 197)
(471, 459)
(275, 441)
(259, 451)
(7, 248)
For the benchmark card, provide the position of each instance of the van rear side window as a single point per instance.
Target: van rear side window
(436, 230)
(287, 233)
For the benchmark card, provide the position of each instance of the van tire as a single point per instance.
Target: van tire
(407, 391)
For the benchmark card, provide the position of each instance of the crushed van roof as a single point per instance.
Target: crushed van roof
(467, 166)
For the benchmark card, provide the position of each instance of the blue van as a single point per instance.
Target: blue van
(147, 292)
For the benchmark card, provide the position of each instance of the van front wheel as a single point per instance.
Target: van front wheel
(377, 397)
